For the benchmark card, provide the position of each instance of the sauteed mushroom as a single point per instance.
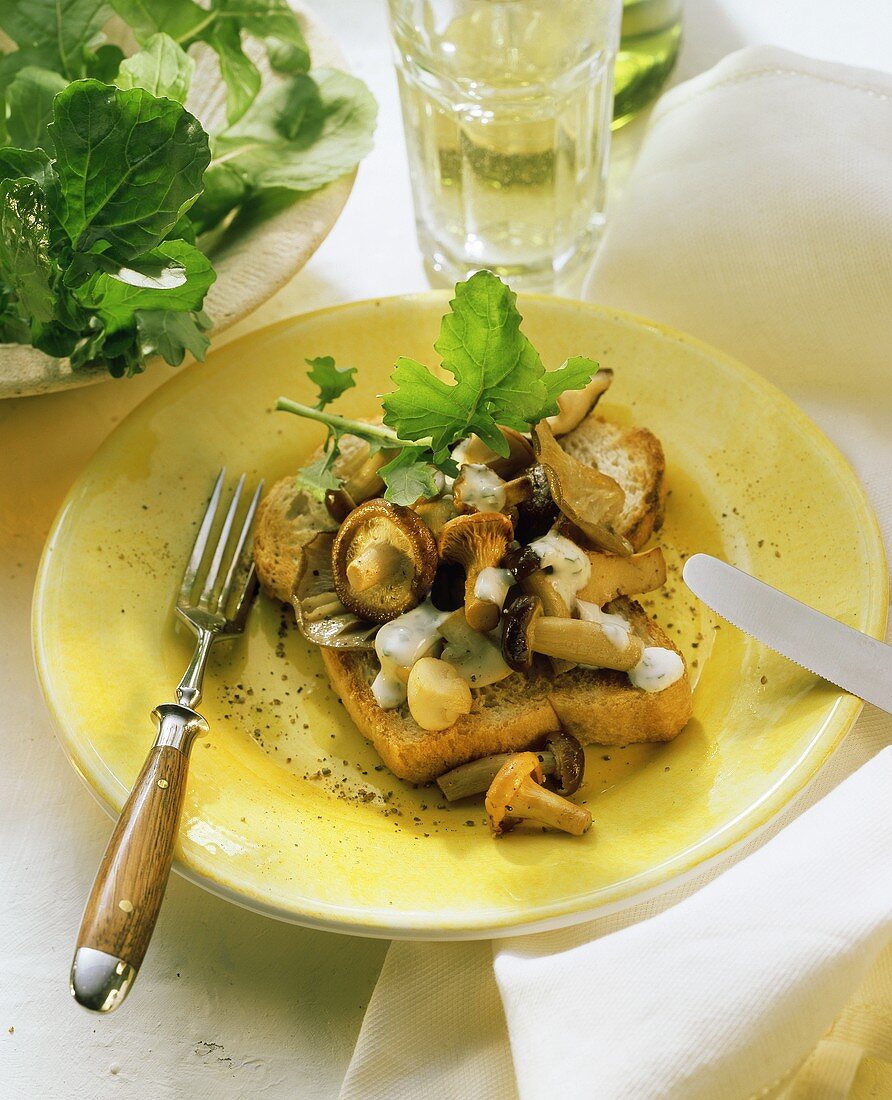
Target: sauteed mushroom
(477, 541)
(516, 794)
(383, 560)
(562, 761)
(575, 405)
(589, 499)
(613, 575)
(527, 631)
(520, 453)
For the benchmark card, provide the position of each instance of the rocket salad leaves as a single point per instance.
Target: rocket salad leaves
(499, 381)
(107, 181)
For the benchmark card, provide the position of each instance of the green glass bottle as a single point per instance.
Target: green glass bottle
(651, 35)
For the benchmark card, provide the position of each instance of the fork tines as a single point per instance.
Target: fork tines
(230, 557)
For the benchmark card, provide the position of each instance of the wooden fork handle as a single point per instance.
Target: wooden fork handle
(129, 887)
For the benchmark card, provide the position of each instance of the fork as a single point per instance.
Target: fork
(129, 887)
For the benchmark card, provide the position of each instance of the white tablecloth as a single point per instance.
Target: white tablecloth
(229, 1003)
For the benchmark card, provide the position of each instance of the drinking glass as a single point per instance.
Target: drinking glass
(507, 108)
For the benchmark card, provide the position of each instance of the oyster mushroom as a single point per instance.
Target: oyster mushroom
(562, 761)
(477, 541)
(595, 644)
(516, 794)
(592, 501)
(384, 560)
(322, 618)
(612, 575)
(575, 405)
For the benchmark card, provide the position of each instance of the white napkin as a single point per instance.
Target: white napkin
(758, 218)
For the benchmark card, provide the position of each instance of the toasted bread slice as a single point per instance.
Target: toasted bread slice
(634, 458)
(596, 706)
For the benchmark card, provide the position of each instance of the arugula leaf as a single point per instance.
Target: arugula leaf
(335, 133)
(161, 68)
(410, 477)
(30, 101)
(58, 32)
(331, 380)
(33, 163)
(26, 266)
(171, 335)
(573, 374)
(317, 478)
(180, 286)
(220, 26)
(498, 373)
(129, 165)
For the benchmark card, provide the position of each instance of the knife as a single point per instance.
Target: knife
(851, 660)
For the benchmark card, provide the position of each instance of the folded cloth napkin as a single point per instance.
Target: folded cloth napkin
(758, 218)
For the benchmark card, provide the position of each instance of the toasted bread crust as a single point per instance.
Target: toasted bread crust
(596, 706)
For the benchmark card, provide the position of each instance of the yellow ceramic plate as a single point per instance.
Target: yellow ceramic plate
(289, 810)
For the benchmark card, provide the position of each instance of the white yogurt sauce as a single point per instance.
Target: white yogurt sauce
(568, 563)
(399, 644)
(492, 585)
(658, 668)
(616, 628)
(482, 488)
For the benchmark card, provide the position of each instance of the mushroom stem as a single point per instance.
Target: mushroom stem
(530, 800)
(586, 643)
(365, 482)
(475, 777)
(482, 615)
(520, 489)
(374, 565)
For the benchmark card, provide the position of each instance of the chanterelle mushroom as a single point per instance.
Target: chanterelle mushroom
(384, 560)
(589, 499)
(477, 541)
(526, 631)
(516, 794)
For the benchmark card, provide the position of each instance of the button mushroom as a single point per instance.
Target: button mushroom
(589, 499)
(438, 694)
(516, 794)
(562, 761)
(384, 560)
(575, 405)
(598, 645)
(477, 541)
(612, 575)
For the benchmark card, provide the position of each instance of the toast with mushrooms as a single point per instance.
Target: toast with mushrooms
(597, 706)
(600, 484)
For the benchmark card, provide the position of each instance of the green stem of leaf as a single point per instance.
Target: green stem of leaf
(342, 424)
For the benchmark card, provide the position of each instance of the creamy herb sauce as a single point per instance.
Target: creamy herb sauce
(482, 488)
(568, 564)
(658, 669)
(615, 627)
(492, 585)
(399, 644)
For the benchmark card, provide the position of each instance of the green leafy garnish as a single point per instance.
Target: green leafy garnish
(106, 182)
(500, 382)
(331, 380)
(161, 68)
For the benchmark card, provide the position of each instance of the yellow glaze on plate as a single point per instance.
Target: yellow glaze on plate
(288, 810)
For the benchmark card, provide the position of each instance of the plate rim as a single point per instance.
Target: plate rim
(747, 826)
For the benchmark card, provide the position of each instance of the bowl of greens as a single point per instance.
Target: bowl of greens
(165, 167)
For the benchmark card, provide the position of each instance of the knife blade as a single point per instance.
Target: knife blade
(844, 656)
